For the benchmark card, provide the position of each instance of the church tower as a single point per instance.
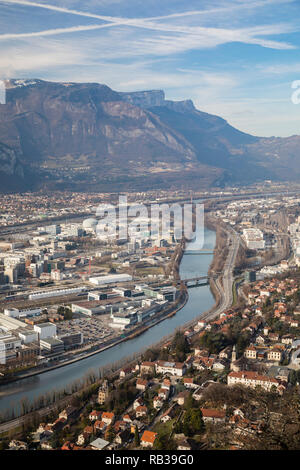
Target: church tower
(233, 357)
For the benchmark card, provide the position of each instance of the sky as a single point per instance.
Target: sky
(237, 59)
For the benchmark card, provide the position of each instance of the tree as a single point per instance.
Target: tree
(161, 442)
(55, 440)
(110, 433)
(136, 437)
(4, 444)
(180, 346)
(193, 422)
(190, 402)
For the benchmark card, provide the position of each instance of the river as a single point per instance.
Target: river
(200, 300)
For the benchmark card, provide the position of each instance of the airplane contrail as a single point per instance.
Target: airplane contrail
(50, 32)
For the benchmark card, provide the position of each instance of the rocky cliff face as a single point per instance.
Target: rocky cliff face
(88, 137)
(85, 136)
(144, 99)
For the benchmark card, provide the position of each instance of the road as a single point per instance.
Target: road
(18, 422)
(224, 284)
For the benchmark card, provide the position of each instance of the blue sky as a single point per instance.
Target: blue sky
(233, 58)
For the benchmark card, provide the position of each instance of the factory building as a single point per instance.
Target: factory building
(52, 345)
(45, 330)
(17, 313)
(110, 279)
(9, 323)
(28, 336)
(56, 293)
(71, 340)
(89, 308)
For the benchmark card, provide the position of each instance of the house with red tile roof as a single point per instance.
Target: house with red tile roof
(252, 379)
(188, 382)
(100, 426)
(148, 438)
(213, 416)
(108, 417)
(163, 393)
(141, 411)
(142, 384)
(158, 402)
(95, 415)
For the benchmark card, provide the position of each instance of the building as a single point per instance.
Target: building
(250, 352)
(141, 384)
(275, 355)
(252, 379)
(99, 444)
(213, 416)
(28, 353)
(110, 279)
(52, 345)
(45, 330)
(95, 415)
(254, 238)
(68, 413)
(52, 229)
(107, 417)
(8, 346)
(147, 367)
(103, 393)
(189, 383)
(89, 308)
(250, 276)
(28, 336)
(16, 313)
(148, 439)
(141, 411)
(72, 339)
(173, 368)
(43, 294)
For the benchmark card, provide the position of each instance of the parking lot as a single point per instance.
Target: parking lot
(94, 329)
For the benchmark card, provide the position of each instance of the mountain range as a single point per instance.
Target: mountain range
(88, 137)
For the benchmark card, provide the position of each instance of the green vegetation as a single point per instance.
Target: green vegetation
(179, 347)
(66, 312)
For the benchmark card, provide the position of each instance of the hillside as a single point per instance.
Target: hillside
(85, 136)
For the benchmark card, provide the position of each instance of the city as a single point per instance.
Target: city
(149, 231)
(67, 295)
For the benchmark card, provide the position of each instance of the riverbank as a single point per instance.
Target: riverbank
(198, 301)
(181, 302)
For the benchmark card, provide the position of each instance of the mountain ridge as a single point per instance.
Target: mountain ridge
(89, 137)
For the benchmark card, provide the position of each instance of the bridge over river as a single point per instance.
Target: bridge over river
(198, 252)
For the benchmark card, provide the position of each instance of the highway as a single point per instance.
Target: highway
(224, 283)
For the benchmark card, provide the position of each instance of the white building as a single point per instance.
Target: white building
(173, 368)
(112, 278)
(28, 336)
(16, 313)
(56, 293)
(252, 379)
(45, 330)
(254, 238)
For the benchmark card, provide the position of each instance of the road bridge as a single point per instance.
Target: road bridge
(198, 252)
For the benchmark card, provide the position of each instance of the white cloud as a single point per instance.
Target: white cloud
(280, 69)
(32, 58)
(142, 53)
(190, 37)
